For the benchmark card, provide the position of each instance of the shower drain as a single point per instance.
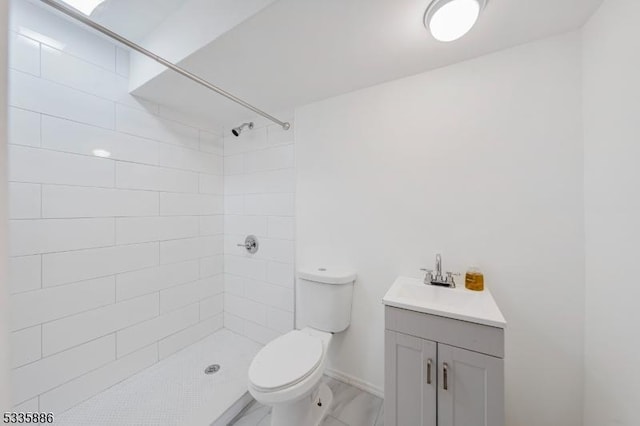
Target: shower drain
(213, 368)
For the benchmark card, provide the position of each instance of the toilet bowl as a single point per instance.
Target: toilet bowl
(287, 373)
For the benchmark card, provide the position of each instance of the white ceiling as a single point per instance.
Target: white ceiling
(134, 19)
(299, 51)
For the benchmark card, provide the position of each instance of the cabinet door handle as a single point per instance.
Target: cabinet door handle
(445, 374)
(429, 362)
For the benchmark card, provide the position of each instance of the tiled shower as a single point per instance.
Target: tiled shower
(259, 199)
(123, 228)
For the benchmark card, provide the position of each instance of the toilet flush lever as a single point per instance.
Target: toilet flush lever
(250, 244)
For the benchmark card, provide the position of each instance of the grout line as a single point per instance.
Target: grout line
(63, 317)
(67, 87)
(41, 271)
(40, 48)
(115, 114)
(40, 129)
(263, 280)
(169, 287)
(192, 343)
(119, 131)
(113, 332)
(96, 369)
(119, 217)
(53, 47)
(66, 184)
(260, 148)
(100, 96)
(46, 253)
(154, 191)
(193, 260)
(64, 350)
(192, 174)
(165, 336)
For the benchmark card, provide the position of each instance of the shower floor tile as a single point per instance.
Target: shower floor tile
(174, 391)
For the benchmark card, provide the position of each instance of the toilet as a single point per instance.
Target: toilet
(286, 374)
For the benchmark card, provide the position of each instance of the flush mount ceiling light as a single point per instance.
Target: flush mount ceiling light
(85, 6)
(448, 20)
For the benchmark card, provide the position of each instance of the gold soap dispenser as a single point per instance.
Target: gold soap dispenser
(474, 279)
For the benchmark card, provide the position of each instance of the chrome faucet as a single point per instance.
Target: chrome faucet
(436, 278)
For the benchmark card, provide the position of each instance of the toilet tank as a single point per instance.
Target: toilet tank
(324, 297)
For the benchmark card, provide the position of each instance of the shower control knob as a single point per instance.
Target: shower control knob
(250, 244)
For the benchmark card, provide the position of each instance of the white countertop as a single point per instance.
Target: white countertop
(457, 303)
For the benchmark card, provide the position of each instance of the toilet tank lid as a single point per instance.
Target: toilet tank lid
(327, 274)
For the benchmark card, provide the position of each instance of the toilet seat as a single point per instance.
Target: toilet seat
(286, 361)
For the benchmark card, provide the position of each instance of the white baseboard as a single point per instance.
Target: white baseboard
(355, 382)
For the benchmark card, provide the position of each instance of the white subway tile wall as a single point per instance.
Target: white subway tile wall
(259, 189)
(116, 219)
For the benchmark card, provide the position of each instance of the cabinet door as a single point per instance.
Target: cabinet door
(410, 381)
(470, 388)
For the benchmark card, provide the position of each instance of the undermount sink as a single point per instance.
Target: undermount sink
(457, 303)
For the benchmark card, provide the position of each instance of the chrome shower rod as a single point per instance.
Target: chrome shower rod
(78, 16)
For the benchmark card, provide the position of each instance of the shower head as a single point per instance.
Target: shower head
(237, 130)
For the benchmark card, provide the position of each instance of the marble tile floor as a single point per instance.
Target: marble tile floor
(351, 407)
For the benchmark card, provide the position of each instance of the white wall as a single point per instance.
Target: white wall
(115, 262)
(612, 178)
(481, 161)
(5, 398)
(259, 200)
(190, 28)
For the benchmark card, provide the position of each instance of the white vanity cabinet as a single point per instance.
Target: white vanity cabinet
(442, 371)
